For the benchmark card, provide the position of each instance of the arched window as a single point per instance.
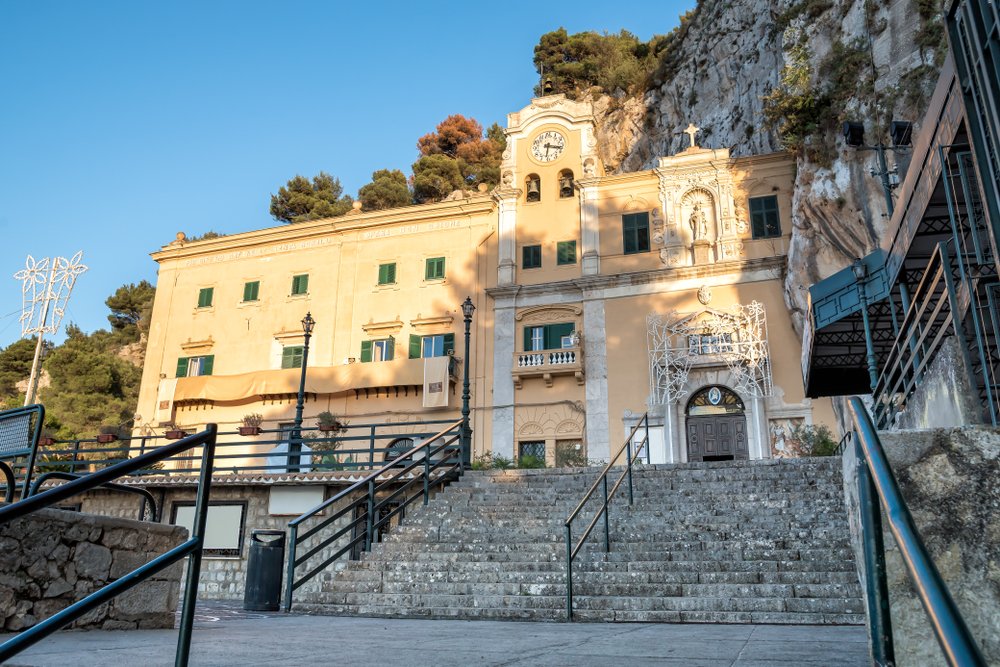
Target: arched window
(715, 400)
(397, 448)
(533, 188)
(566, 188)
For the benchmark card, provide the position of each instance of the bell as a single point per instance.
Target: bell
(547, 87)
(565, 187)
(533, 192)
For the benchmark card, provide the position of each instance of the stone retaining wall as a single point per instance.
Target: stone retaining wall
(54, 557)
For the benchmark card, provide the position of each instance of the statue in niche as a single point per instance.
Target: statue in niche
(699, 223)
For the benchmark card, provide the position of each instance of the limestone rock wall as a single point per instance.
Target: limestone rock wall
(948, 478)
(730, 54)
(54, 558)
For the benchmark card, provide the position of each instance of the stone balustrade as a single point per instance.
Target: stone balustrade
(547, 364)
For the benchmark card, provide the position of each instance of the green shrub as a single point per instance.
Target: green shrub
(570, 455)
(812, 440)
(530, 462)
(490, 461)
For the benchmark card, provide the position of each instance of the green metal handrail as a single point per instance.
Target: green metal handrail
(417, 466)
(602, 480)
(876, 481)
(192, 548)
(148, 501)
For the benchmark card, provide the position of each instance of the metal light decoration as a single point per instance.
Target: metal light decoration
(295, 446)
(467, 309)
(47, 285)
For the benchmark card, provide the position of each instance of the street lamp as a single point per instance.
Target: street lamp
(467, 310)
(901, 133)
(295, 446)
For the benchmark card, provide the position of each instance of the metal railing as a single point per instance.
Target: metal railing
(20, 429)
(370, 504)
(602, 481)
(877, 487)
(148, 502)
(357, 447)
(191, 549)
(928, 322)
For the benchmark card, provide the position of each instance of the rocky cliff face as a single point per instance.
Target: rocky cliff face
(730, 55)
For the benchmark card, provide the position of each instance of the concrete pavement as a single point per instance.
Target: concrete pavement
(228, 636)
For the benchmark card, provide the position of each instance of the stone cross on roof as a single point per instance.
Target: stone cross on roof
(691, 131)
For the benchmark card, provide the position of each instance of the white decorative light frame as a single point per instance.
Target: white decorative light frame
(746, 354)
(46, 288)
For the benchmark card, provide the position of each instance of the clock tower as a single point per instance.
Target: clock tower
(547, 194)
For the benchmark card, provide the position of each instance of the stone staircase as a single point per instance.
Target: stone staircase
(730, 542)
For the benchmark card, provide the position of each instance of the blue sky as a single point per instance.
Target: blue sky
(122, 123)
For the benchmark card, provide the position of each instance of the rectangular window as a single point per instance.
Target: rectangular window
(195, 366)
(434, 269)
(300, 284)
(531, 257)
(548, 337)
(387, 274)
(765, 222)
(378, 350)
(251, 290)
(223, 529)
(437, 345)
(635, 232)
(566, 252)
(291, 356)
(205, 295)
(534, 448)
(710, 343)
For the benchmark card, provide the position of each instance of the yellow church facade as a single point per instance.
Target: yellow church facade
(598, 298)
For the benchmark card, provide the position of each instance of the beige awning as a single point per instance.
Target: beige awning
(324, 380)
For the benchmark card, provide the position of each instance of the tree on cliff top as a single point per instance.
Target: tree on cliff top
(616, 63)
(131, 306)
(299, 200)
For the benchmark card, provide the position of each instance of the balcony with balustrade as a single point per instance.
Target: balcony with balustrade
(547, 364)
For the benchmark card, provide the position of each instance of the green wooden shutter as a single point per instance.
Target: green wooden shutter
(527, 339)
(366, 351)
(415, 342)
(182, 367)
(390, 350)
(207, 364)
(251, 290)
(554, 334)
(449, 343)
(205, 297)
(300, 284)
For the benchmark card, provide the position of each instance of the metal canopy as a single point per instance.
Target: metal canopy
(836, 363)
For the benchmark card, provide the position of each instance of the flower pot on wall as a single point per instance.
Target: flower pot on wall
(105, 438)
(175, 434)
(249, 430)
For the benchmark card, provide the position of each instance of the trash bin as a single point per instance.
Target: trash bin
(263, 586)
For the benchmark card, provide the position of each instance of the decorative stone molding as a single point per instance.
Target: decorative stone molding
(431, 322)
(548, 314)
(197, 345)
(376, 328)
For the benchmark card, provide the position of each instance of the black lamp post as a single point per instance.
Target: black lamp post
(467, 310)
(860, 279)
(295, 446)
(901, 133)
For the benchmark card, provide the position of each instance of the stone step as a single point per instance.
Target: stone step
(809, 606)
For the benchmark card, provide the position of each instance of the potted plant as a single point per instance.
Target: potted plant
(251, 424)
(107, 434)
(174, 432)
(326, 422)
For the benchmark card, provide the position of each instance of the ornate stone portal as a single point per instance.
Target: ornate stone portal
(711, 347)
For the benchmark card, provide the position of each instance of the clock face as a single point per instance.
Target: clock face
(548, 146)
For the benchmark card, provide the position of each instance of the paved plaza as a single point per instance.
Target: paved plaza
(227, 636)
